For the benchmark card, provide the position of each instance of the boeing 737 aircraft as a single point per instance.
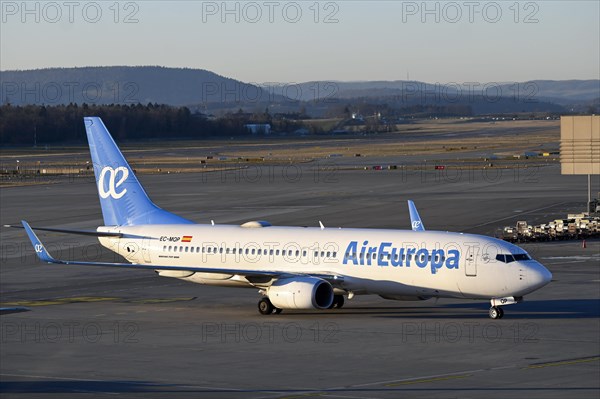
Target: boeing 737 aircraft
(296, 267)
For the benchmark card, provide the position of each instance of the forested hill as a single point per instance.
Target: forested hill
(123, 85)
(207, 92)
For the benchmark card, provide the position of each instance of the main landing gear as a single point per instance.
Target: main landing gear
(266, 307)
(338, 302)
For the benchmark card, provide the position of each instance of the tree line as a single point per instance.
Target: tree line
(41, 125)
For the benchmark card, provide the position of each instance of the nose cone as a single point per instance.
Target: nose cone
(538, 276)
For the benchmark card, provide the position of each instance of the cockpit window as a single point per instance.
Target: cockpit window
(507, 258)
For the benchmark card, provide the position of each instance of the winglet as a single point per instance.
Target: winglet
(39, 248)
(415, 219)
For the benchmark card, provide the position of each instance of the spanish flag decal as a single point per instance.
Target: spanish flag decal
(186, 239)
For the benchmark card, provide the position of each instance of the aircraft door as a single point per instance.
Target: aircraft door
(471, 259)
(146, 250)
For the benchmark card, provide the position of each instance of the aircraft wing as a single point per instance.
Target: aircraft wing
(45, 256)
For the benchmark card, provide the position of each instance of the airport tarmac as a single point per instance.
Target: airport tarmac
(92, 332)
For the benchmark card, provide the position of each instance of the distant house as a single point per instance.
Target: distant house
(259, 128)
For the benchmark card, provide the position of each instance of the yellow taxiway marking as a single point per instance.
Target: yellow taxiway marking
(162, 300)
(426, 380)
(306, 395)
(59, 301)
(64, 301)
(563, 363)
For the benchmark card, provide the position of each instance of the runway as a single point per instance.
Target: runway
(92, 332)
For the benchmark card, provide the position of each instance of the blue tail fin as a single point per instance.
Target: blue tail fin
(415, 219)
(124, 202)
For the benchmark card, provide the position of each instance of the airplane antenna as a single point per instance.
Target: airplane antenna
(212, 222)
(321, 224)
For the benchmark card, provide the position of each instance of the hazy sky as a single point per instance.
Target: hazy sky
(287, 41)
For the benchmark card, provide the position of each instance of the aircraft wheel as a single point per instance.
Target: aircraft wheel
(338, 301)
(277, 310)
(495, 312)
(265, 306)
(501, 311)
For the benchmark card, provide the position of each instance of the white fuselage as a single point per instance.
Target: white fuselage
(392, 263)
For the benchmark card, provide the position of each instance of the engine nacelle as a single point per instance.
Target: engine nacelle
(301, 293)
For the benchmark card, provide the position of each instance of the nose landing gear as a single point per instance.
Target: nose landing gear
(496, 312)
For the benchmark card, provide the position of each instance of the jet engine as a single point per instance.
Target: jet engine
(301, 293)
